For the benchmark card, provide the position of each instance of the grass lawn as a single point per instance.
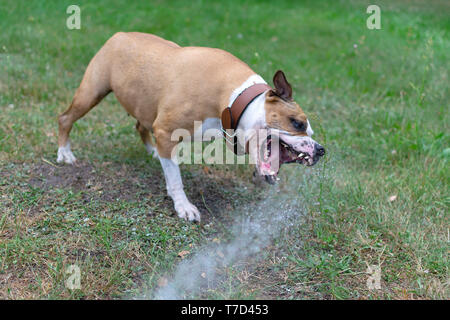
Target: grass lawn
(378, 101)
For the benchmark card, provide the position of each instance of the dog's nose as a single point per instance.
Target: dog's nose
(319, 150)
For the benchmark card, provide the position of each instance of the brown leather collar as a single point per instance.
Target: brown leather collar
(232, 115)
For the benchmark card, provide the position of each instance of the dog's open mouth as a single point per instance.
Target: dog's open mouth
(289, 155)
(272, 160)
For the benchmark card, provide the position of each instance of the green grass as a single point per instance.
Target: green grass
(378, 100)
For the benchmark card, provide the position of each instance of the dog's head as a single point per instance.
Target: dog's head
(289, 132)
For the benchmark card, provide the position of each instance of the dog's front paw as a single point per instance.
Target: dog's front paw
(65, 155)
(187, 211)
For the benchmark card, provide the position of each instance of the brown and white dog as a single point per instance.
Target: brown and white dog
(168, 87)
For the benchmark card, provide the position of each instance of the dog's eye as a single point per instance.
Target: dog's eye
(299, 126)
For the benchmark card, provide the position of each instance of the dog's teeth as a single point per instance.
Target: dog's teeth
(307, 157)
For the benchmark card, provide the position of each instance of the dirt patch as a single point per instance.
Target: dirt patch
(108, 182)
(210, 192)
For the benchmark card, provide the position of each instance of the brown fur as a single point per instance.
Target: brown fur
(166, 87)
(162, 85)
(279, 114)
(281, 109)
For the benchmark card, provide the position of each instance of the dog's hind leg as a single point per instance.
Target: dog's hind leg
(93, 88)
(147, 139)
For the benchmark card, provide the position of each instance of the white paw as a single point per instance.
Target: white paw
(65, 155)
(187, 211)
(151, 150)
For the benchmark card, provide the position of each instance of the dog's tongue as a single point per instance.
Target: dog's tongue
(266, 168)
(283, 156)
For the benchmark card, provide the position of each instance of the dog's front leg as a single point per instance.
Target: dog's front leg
(183, 207)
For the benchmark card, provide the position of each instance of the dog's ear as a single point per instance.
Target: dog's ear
(282, 88)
